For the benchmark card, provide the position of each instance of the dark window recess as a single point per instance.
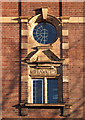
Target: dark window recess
(37, 91)
(52, 90)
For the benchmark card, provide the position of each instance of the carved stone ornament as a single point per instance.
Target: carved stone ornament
(43, 72)
(43, 52)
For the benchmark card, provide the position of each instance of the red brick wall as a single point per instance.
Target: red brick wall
(28, 8)
(10, 9)
(10, 68)
(75, 55)
(10, 61)
(72, 9)
(72, 91)
(76, 68)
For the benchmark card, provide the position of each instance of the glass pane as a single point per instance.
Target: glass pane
(37, 91)
(45, 33)
(52, 91)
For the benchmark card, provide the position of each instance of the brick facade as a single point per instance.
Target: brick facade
(73, 68)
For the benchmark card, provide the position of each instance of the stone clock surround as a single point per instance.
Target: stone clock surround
(33, 22)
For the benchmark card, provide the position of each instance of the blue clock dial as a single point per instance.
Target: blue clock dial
(44, 33)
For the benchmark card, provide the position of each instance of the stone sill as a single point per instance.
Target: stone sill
(46, 105)
(59, 105)
(42, 105)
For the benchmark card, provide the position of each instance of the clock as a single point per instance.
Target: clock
(45, 33)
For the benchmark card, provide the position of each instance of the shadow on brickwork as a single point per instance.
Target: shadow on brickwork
(76, 87)
(19, 12)
(13, 95)
(84, 59)
(38, 11)
(78, 83)
(11, 76)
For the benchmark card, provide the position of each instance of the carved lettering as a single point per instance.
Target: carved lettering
(34, 71)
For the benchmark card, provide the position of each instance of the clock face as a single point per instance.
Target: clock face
(44, 33)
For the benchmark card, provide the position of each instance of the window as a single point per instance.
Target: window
(44, 33)
(38, 91)
(52, 91)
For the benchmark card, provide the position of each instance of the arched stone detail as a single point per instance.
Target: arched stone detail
(32, 22)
